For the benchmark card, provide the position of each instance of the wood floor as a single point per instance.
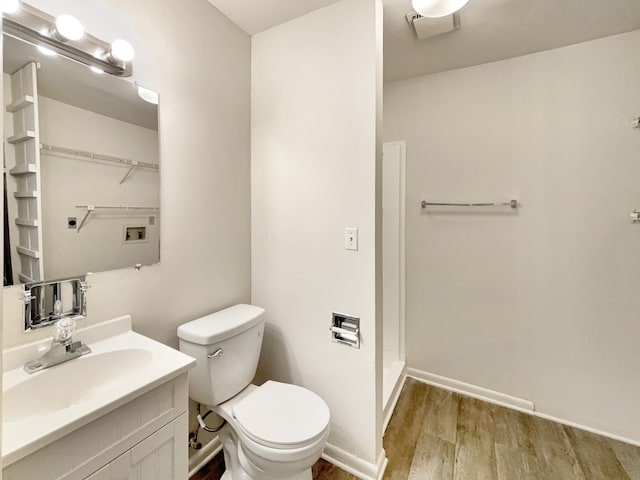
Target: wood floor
(438, 435)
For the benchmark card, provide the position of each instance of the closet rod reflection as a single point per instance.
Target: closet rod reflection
(510, 203)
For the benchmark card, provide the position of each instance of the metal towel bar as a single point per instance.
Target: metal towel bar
(510, 203)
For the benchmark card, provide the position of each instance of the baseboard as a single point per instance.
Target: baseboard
(204, 455)
(587, 429)
(473, 391)
(395, 395)
(504, 400)
(355, 465)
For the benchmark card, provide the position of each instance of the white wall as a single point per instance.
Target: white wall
(67, 182)
(199, 62)
(541, 304)
(315, 111)
(1, 269)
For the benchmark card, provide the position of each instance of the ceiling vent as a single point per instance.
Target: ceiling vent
(431, 27)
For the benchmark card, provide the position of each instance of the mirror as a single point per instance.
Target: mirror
(81, 168)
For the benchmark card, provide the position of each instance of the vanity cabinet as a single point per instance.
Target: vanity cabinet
(144, 438)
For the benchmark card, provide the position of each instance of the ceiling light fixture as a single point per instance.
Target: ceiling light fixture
(148, 95)
(97, 70)
(437, 8)
(9, 6)
(121, 50)
(67, 28)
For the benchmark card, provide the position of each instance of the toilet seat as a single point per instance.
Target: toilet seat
(282, 416)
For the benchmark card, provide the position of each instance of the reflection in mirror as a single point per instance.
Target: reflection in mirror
(81, 168)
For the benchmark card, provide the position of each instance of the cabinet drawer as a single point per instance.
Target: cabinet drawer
(84, 451)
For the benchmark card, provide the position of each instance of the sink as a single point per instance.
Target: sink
(40, 408)
(71, 383)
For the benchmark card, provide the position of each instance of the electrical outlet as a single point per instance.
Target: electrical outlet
(351, 238)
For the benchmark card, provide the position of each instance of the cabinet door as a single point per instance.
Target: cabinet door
(161, 456)
(102, 474)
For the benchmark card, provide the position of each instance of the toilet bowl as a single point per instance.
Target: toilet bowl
(273, 431)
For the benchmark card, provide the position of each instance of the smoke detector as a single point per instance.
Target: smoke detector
(431, 27)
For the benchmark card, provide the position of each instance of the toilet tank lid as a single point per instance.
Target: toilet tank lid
(221, 325)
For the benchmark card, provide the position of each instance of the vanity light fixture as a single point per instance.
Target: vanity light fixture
(9, 6)
(437, 8)
(67, 28)
(121, 50)
(46, 51)
(148, 95)
(66, 36)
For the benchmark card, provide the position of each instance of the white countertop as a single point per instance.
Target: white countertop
(42, 407)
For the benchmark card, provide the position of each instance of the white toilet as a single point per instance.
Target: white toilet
(275, 431)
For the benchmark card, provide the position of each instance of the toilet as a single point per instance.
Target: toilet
(273, 431)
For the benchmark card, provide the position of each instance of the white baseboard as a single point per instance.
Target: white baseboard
(204, 455)
(588, 429)
(393, 400)
(504, 400)
(355, 465)
(473, 391)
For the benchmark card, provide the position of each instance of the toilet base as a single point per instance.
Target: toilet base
(234, 466)
(306, 475)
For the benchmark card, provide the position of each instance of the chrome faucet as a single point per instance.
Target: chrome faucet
(63, 348)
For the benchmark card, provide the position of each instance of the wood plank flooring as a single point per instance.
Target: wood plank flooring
(439, 435)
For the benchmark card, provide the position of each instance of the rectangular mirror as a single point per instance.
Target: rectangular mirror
(81, 168)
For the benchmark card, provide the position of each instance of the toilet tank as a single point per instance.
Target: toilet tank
(226, 346)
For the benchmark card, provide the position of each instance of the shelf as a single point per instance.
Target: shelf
(21, 137)
(28, 252)
(24, 279)
(20, 103)
(24, 169)
(113, 209)
(22, 194)
(23, 222)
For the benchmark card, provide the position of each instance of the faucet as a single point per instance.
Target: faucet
(63, 348)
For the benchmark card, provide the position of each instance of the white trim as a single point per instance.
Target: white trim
(474, 391)
(504, 400)
(402, 338)
(355, 465)
(588, 429)
(204, 455)
(393, 400)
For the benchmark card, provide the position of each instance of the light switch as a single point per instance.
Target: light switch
(351, 238)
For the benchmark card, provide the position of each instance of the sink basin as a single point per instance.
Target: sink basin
(40, 408)
(70, 383)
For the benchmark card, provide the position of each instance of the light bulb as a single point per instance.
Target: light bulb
(9, 6)
(437, 8)
(148, 95)
(122, 50)
(69, 28)
(97, 70)
(46, 51)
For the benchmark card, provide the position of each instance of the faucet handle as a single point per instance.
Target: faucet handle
(63, 330)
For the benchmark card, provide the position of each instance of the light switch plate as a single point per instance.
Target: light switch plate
(351, 238)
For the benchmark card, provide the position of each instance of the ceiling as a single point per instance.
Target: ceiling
(73, 83)
(254, 16)
(491, 29)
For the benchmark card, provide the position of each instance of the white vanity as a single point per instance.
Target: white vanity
(119, 412)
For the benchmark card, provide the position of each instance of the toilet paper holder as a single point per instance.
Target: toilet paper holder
(345, 329)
